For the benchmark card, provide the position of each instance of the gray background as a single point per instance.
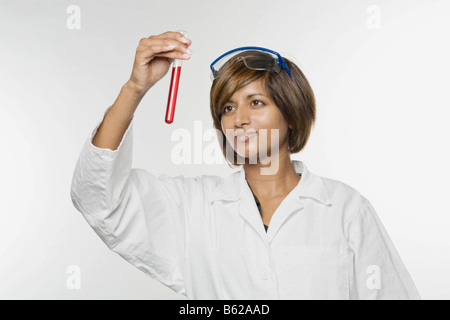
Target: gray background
(382, 114)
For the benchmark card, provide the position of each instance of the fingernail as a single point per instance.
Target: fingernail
(188, 51)
(185, 40)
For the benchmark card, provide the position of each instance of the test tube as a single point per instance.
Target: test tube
(173, 89)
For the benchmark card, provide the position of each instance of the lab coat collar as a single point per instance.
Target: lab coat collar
(310, 186)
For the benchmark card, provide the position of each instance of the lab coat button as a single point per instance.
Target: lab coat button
(265, 275)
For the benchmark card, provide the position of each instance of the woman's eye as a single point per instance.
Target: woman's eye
(225, 109)
(257, 102)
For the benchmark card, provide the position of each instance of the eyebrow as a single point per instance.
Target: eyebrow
(249, 96)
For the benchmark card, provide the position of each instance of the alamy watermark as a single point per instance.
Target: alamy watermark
(191, 149)
(373, 281)
(73, 281)
(373, 21)
(74, 19)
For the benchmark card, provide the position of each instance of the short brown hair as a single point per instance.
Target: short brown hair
(293, 96)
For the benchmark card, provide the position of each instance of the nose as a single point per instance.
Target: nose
(241, 117)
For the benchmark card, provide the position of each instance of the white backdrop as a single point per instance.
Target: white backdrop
(379, 70)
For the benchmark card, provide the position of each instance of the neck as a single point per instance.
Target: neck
(278, 184)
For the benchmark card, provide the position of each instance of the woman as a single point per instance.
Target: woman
(313, 237)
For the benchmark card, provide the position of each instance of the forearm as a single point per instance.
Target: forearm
(117, 119)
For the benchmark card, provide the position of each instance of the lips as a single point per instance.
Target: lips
(240, 132)
(245, 136)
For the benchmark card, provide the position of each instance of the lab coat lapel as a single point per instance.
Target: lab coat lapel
(248, 210)
(236, 188)
(289, 206)
(310, 186)
(228, 189)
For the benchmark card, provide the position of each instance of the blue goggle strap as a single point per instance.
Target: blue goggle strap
(280, 59)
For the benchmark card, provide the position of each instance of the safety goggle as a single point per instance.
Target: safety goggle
(255, 58)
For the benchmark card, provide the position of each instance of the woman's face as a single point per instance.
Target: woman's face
(251, 111)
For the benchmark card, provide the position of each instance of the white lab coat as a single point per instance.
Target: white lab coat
(204, 237)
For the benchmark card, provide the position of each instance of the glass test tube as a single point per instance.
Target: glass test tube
(173, 89)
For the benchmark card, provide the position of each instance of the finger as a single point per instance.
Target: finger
(174, 35)
(171, 35)
(160, 43)
(163, 51)
(170, 56)
(148, 53)
(174, 55)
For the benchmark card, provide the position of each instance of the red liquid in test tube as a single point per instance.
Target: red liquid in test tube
(173, 91)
